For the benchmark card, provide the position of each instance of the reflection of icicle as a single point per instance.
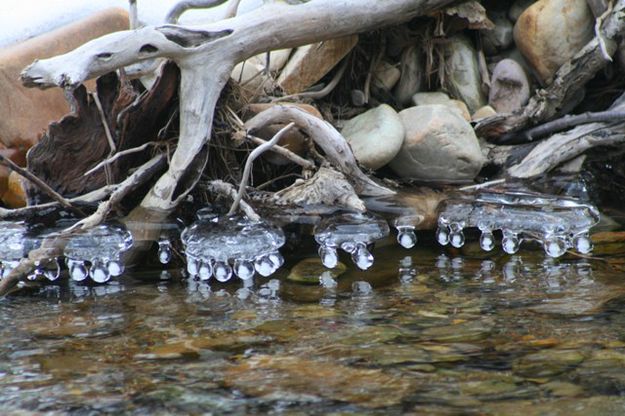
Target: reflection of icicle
(558, 223)
(164, 250)
(352, 233)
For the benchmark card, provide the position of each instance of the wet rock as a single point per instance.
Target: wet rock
(412, 75)
(483, 112)
(563, 389)
(462, 332)
(463, 80)
(310, 270)
(26, 112)
(328, 380)
(439, 145)
(509, 89)
(385, 76)
(550, 32)
(375, 136)
(518, 7)
(547, 363)
(427, 98)
(311, 62)
(500, 37)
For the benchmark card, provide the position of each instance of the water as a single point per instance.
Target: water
(428, 330)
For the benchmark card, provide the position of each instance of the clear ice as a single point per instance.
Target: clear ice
(352, 233)
(221, 247)
(558, 223)
(17, 239)
(96, 253)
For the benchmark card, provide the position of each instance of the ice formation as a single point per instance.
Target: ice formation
(352, 232)
(222, 246)
(96, 253)
(16, 240)
(557, 223)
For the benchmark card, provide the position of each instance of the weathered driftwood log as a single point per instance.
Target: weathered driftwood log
(563, 147)
(206, 55)
(570, 77)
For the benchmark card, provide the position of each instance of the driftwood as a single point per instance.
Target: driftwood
(206, 56)
(546, 103)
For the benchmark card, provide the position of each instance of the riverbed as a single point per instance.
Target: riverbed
(424, 331)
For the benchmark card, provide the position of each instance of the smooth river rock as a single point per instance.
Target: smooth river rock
(412, 75)
(500, 37)
(550, 32)
(440, 145)
(375, 136)
(463, 79)
(510, 88)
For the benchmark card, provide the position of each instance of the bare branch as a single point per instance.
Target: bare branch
(174, 14)
(247, 170)
(227, 189)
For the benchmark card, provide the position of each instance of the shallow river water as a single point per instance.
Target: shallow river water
(424, 331)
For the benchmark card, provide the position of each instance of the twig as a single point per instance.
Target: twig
(315, 95)
(374, 64)
(174, 14)
(224, 188)
(40, 184)
(599, 35)
(232, 9)
(250, 160)
(107, 130)
(138, 177)
(133, 14)
(118, 155)
(482, 185)
(282, 151)
(560, 124)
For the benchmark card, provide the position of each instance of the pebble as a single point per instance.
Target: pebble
(500, 37)
(483, 112)
(509, 89)
(550, 32)
(385, 76)
(440, 145)
(412, 75)
(375, 136)
(463, 79)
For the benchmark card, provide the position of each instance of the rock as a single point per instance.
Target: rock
(310, 270)
(26, 112)
(500, 37)
(439, 145)
(294, 376)
(375, 136)
(427, 98)
(255, 108)
(463, 80)
(358, 98)
(550, 32)
(483, 112)
(509, 88)
(412, 75)
(547, 363)
(311, 62)
(517, 8)
(462, 108)
(15, 195)
(385, 76)
(250, 74)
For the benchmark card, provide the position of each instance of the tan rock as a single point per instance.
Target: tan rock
(251, 76)
(483, 112)
(385, 76)
(550, 32)
(25, 112)
(439, 145)
(311, 62)
(427, 98)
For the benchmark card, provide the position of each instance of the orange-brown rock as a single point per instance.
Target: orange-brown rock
(311, 62)
(14, 196)
(24, 112)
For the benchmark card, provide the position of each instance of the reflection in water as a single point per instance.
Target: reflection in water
(420, 331)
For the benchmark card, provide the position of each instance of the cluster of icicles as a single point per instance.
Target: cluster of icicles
(559, 224)
(221, 247)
